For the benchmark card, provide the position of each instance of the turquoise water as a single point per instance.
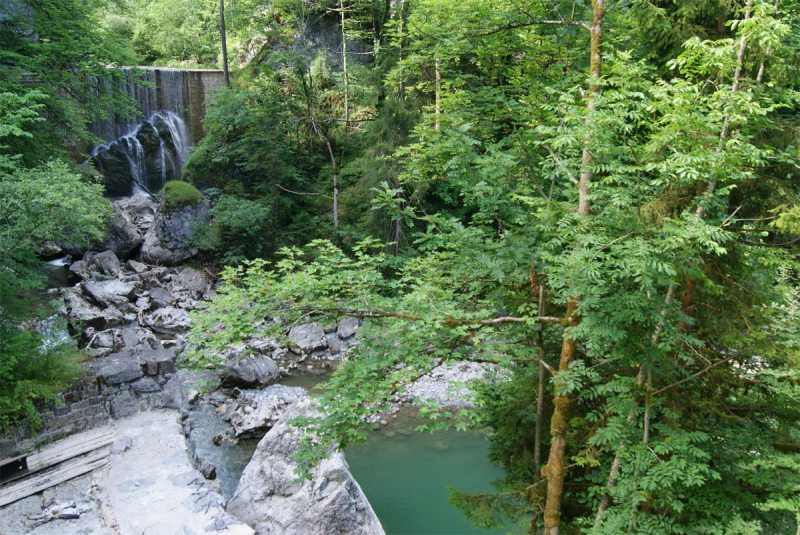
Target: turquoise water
(406, 477)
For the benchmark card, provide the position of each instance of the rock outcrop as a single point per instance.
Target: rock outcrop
(167, 241)
(270, 500)
(303, 339)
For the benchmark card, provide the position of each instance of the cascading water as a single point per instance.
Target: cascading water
(148, 148)
(142, 160)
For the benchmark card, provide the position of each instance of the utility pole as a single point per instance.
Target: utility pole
(224, 44)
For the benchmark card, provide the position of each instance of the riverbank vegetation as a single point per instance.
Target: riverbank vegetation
(48, 51)
(598, 199)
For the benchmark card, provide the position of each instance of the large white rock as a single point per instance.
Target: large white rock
(137, 210)
(258, 410)
(112, 293)
(347, 327)
(250, 372)
(169, 320)
(270, 501)
(306, 338)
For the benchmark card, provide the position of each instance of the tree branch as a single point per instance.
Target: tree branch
(450, 322)
(576, 23)
(560, 163)
(300, 193)
(701, 372)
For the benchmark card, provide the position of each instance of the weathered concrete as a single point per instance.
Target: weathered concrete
(152, 486)
(186, 92)
(148, 487)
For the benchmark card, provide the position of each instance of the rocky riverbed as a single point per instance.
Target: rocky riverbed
(133, 318)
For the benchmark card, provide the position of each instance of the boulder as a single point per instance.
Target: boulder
(122, 236)
(258, 410)
(160, 298)
(106, 263)
(264, 346)
(122, 367)
(139, 338)
(97, 266)
(111, 293)
(306, 338)
(250, 372)
(158, 361)
(168, 320)
(167, 241)
(446, 384)
(115, 168)
(81, 269)
(137, 210)
(271, 500)
(85, 314)
(190, 281)
(347, 327)
(137, 267)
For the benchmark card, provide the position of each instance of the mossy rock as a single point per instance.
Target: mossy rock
(178, 194)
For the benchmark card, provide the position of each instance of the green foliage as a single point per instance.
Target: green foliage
(695, 396)
(29, 372)
(47, 50)
(37, 206)
(41, 205)
(57, 49)
(240, 229)
(178, 194)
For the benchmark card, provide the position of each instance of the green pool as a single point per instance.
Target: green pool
(406, 475)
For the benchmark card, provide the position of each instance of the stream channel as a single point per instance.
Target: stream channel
(404, 474)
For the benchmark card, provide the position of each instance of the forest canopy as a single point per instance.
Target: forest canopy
(597, 200)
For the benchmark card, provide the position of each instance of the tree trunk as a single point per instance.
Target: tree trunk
(224, 42)
(438, 88)
(403, 16)
(554, 470)
(537, 445)
(345, 74)
(335, 200)
(335, 170)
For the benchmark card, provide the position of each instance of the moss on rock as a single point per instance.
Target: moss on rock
(178, 194)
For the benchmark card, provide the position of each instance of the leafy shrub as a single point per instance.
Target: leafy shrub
(240, 229)
(30, 373)
(178, 194)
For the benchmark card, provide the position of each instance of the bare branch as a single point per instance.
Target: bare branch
(701, 372)
(299, 192)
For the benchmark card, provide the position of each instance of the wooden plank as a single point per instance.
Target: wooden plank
(65, 472)
(70, 447)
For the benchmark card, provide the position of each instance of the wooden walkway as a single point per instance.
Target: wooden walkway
(60, 461)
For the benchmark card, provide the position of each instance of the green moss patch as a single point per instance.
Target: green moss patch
(178, 194)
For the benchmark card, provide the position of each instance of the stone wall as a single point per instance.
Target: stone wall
(115, 386)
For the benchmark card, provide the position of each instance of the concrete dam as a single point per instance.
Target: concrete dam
(144, 151)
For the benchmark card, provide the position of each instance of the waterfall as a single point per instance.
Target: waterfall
(143, 151)
(143, 159)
